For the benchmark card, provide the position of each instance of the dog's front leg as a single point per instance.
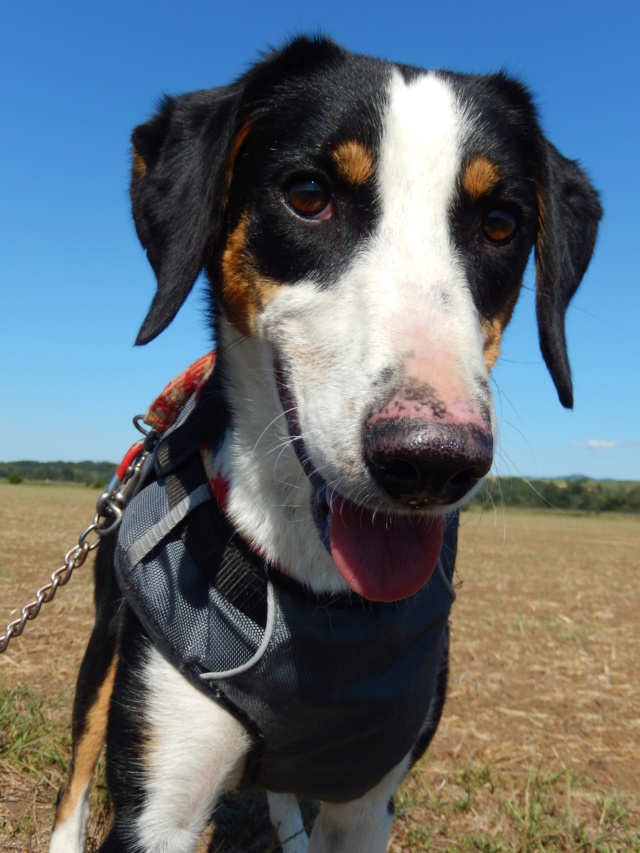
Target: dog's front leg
(286, 818)
(171, 752)
(362, 825)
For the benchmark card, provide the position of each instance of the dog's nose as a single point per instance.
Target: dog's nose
(424, 463)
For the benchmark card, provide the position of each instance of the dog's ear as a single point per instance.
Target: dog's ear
(568, 214)
(178, 192)
(183, 161)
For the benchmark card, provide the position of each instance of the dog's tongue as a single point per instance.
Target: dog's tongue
(382, 560)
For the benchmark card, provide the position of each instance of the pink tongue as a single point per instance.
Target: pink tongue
(381, 560)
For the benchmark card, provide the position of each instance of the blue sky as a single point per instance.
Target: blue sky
(75, 78)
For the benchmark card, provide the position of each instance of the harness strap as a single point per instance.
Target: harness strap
(226, 561)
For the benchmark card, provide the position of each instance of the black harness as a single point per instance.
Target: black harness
(335, 690)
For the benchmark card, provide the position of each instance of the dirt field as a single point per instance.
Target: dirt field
(539, 747)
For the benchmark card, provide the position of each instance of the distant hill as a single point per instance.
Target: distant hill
(91, 473)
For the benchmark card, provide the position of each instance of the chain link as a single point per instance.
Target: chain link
(106, 520)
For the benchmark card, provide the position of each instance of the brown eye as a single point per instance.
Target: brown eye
(309, 198)
(498, 226)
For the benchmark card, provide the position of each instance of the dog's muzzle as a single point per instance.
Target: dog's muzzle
(383, 555)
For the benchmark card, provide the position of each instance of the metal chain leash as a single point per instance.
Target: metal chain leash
(106, 520)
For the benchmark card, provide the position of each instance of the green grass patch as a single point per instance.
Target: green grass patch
(31, 738)
(35, 743)
(482, 809)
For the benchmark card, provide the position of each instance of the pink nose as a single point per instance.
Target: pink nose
(424, 464)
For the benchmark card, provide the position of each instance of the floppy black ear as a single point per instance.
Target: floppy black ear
(178, 192)
(183, 161)
(568, 214)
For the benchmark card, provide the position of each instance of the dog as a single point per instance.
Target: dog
(364, 227)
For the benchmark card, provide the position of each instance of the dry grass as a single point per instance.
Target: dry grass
(38, 524)
(540, 740)
(539, 745)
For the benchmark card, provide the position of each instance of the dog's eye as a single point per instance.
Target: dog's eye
(498, 226)
(310, 199)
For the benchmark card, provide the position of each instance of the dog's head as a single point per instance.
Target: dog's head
(364, 227)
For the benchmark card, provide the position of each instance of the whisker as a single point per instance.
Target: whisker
(281, 414)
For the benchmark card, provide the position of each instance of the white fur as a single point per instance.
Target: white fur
(68, 837)
(361, 826)
(284, 813)
(413, 261)
(196, 751)
(269, 494)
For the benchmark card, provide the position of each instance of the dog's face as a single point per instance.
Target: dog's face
(365, 228)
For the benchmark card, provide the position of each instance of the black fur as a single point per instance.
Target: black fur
(186, 150)
(557, 207)
(126, 736)
(567, 227)
(175, 202)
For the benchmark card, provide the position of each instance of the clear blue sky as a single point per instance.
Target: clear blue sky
(74, 283)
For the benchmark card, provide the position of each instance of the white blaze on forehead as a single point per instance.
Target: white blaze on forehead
(418, 167)
(418, 278)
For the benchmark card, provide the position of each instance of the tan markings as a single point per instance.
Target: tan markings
(354, 162)
(492, 329)
(238, 142)
(480, 177)
(87, 750)
(244, 291)
(204, 843)
(138, 165)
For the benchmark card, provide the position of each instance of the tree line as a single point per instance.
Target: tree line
(89, 473)
(579, 494)
(573, 493)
